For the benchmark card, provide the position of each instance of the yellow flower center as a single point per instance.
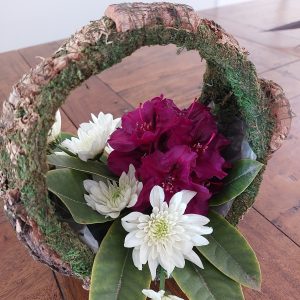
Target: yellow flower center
(159, 228)
(115, 197)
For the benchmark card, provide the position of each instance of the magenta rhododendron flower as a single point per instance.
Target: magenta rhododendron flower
(175, 149)
(143, 127)
(172, 171)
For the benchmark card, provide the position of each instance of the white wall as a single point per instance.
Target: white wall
(25, 23)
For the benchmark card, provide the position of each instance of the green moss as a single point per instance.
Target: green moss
(22, 169)
(4, 157)
(58, 235)
(228, 71)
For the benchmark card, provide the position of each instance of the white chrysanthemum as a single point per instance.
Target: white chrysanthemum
(56, 128)
(92, 137)
(111, 199)
(159, 295)
(167, 236)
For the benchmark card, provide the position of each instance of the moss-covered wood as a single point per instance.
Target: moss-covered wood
(29, 113)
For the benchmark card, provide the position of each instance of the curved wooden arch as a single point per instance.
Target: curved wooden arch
(28, 113)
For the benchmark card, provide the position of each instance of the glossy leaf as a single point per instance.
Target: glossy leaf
(90, 167)
(56, 145)
(238, 179)
(230, 253)
(68, 186)
(114, 276)
(65, 135)
(206, 284)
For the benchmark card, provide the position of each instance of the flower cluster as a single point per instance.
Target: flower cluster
(175, 149)
(168, 163)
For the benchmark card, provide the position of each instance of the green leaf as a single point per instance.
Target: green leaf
(206, 284)
(68, 186)
(114, 276)
(230, 253)
(65, 135)
(238, 179)
(55, 146)
(90, 167)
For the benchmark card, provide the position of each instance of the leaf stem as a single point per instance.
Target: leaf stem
(65, 150)
(162, 278)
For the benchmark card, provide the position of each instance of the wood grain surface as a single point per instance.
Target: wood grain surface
(272, 226)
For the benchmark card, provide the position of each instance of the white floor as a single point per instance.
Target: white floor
(32, 22)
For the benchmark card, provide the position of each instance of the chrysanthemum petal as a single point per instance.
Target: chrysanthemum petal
(199, 240)
(88, 184)
(157, 196)
(144, 253)
(132, 217)
(136, 258)
(133, 201)
(131, 240)
(153, 264)
(153, 295)
(194, 258)
(56, 128)
(184, 196)
(196, 219)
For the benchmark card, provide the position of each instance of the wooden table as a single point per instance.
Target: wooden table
(271, 226)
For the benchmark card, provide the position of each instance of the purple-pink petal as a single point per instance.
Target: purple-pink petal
(176, 149)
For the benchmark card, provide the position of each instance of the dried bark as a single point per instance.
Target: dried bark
(129, 16)
(281, 111)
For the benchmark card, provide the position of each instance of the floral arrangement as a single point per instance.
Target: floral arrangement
(148, 190)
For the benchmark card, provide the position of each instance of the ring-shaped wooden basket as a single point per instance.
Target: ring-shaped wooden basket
(230, 81)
